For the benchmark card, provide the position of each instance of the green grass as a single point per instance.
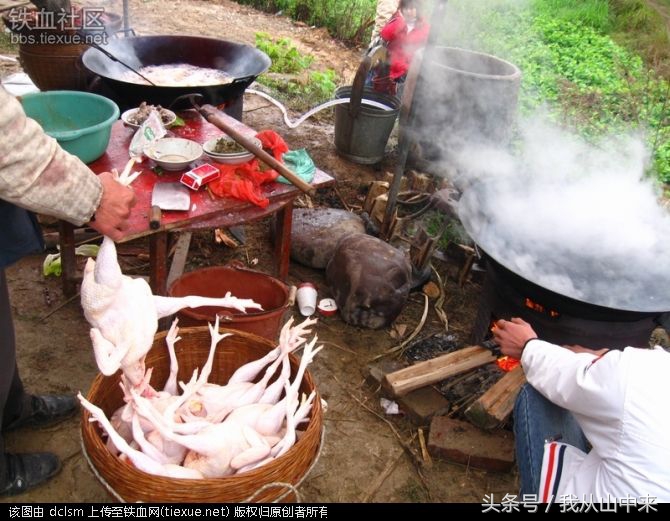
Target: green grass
(588, 81)
(632, 23)
(296, 85)
(348, 20)
(594, 13)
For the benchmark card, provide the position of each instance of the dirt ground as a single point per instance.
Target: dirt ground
(55, 353)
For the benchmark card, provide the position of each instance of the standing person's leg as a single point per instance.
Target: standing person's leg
(536, 419)
(11, 388)
(18, 472)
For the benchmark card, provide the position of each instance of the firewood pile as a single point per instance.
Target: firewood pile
(475, 387)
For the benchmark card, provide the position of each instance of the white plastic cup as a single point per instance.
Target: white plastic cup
(306, 297)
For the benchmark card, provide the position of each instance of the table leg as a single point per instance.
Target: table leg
(67, 258)
(158, 262)
(283, 220)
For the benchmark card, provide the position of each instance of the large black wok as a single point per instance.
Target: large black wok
(243, 62)
(626, 280)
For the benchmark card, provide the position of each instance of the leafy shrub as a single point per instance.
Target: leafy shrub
(284, 55)
(304, 90)
(587, 80)
(348, 20)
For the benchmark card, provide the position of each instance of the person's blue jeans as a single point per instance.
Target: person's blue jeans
(536, 419)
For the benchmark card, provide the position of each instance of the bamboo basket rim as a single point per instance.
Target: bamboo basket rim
(127, 483)
(291, 488)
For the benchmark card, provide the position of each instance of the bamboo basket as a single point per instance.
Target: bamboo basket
(54, 66)
(129, 484)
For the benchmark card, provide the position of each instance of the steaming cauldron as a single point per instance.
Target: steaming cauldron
(243, 62)
(615, 280)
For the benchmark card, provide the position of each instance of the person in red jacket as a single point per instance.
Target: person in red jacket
(404, 34)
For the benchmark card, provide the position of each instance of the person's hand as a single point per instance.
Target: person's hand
(512, 335)
(111, 217)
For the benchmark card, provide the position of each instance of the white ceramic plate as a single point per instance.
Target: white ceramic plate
(128, 114)
(234, 158)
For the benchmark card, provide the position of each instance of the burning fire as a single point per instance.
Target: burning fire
(507, 363)
(531, 304)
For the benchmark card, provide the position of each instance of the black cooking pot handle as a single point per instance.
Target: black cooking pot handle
(663, 320)
(91, 82)
(94, 84)
(246, 79)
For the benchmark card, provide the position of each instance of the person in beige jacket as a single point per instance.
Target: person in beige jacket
(385, 10)
(37, 176)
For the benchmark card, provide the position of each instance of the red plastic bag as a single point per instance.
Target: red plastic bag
(272, 142)
(235, 183)
(243, 182)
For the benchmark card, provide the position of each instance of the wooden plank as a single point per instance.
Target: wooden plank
(67, 256)
(494, 406)
(431, 371)
(179, 257)
(158, 263)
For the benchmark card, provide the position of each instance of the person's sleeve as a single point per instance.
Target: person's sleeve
(395, 27)
(581, 382)
(36, 174)
(385, 10)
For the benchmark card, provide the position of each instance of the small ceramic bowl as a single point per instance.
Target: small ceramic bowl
(167, 117)
(231, 158)
(173, 153)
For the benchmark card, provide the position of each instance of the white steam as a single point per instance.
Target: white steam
(569, 216)
(572, 217)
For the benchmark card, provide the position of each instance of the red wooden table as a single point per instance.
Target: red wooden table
(205, 211)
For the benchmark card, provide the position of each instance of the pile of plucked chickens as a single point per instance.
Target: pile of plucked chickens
(210, 430)
(196, 429)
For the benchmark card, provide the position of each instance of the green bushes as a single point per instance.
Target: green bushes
(348, 20)
(587, 81)
(289, 75)
(284, 55)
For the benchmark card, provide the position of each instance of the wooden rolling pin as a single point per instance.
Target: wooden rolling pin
(212, 114)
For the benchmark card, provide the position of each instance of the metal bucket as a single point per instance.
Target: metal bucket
(216, 281)
(466, 98)
(362, 138)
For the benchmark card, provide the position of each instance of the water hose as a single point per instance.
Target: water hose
(318, 108)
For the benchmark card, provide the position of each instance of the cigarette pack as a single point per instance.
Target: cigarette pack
(200, 176)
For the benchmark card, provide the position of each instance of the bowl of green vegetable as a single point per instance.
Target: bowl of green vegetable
(227, 151)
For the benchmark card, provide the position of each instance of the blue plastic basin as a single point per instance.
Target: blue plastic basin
(81, 122)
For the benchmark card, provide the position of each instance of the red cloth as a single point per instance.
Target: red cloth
(402, 44)
(244, 181)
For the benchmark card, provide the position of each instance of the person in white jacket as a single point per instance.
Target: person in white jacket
(590, 426)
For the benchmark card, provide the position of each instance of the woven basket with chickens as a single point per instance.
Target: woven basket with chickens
(192, 415)
(207, 451)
